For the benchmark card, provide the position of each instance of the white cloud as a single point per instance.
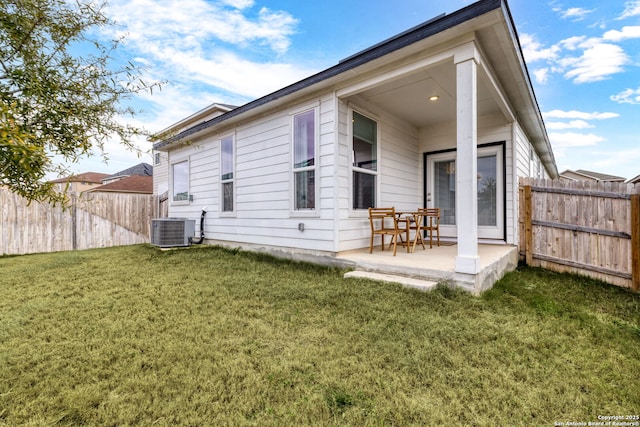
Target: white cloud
(184, 40)
(631, 8)
(563, 141)
(226, 51)
(574, 114)
(239, 4)
(597, 62)
(573, 13)
(572, 43)
(573, 124)
(573, 139)
(194, 24)
(534, 51)
(541, 75)
(627, 96)
(232, 73)
(605, 159)
(626, 33)
(595, 58)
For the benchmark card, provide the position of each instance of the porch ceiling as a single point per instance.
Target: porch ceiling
(408, 97)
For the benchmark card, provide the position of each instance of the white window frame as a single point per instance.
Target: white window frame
(171, 180)
(231, 180)
(315, 167)
(352, 168)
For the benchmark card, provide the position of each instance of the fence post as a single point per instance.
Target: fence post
(74, 222)
(635, 242)
(528, 227)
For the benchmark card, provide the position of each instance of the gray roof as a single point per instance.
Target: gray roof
(600, 176)
(142, 169)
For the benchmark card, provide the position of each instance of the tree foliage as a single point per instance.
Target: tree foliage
(59, 92)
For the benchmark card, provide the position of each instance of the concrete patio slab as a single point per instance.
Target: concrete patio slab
(437, 264)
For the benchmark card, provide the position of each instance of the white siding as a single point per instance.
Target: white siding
(527, 164)
(399, 175)
(262, 183)
(263, 178)
(523, 150)
(160, 172)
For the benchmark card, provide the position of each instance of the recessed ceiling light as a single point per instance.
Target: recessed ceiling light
(434, 98)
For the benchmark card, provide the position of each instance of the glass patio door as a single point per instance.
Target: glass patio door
(441, 191)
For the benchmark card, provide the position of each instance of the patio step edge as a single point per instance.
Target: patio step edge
(408, 282)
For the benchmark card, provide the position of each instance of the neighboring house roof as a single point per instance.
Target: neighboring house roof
(489, 20)
(581, 174)
(207, 113)
(90, 177)
(143, 169)
(130, 184)
(600, 176)
(634, 180)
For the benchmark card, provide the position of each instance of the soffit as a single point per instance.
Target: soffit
(408, 97)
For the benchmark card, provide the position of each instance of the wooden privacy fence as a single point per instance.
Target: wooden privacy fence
(582, 227)
(93, 220)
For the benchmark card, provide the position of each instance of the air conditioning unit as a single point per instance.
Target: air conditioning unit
(171, 232)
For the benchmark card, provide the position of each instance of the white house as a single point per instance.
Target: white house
(441, 115)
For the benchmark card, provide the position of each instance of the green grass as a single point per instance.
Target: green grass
(204, 336)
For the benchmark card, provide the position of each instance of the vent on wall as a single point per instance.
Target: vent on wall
(170, 232)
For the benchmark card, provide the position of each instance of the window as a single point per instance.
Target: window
(365, 161)
(180, 174)
(226, 173)
(488, 190)
(157, 159)
(304, 161)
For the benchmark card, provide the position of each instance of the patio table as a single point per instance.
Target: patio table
(407, 218)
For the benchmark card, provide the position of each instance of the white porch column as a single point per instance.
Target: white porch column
(467, 260)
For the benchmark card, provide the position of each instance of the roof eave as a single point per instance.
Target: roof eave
(540, 138)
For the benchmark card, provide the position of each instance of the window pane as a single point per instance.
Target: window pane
(365, 132)
(487, 193)
(227, 197)
(305, 190)
(445, 190)
(226, 164)
(364, 190)
(304, 140)
(181, 181)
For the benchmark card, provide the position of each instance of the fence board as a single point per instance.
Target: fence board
(92, 220)
(635, 242)
(584, 227)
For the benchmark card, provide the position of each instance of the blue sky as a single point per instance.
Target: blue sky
(583, 58)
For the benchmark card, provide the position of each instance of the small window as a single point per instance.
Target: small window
(226, 173)
(304, 160)
(364, 161)
(157, 159)
(180, 176)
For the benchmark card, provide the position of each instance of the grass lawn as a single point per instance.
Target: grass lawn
(206, 336)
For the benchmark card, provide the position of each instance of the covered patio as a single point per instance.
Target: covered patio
(448, 106)
(425, 268)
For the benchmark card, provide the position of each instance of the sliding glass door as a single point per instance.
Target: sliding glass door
(441, 191)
